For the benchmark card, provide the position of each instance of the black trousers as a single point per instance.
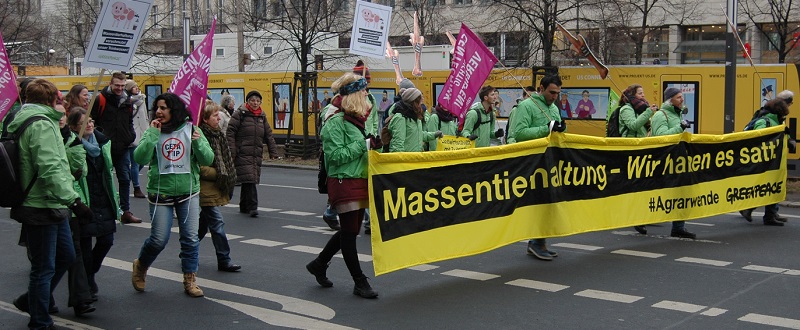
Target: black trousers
(248, 201)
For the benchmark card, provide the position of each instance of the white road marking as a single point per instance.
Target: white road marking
(633, 233)
(639, 254)
(714, 312)
(771, 320)
(232, 236)
(361, 257)
(423, 267)
(300, 213)
(290, 187)
(303, 248)
(792, 272)
(470, 275)
(279, 319)
(288, 304)
(678, 306)
(145, 225)
(761, 214)
(263, 242)
(765, 269)
(700, 224)
(321, 230)
(610, 296)
(701, 261)
(263, 209)
(577, 246)
(536, 285)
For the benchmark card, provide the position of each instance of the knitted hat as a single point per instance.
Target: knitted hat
(639, 104)
(410, 94)
(253, 93)
(405, 83)
(362, 70)
(670, 92)
(130, 84)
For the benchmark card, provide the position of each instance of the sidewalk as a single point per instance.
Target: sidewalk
(792, 200)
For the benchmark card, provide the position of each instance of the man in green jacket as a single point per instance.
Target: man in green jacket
(482, 114)
(46, 209)
(668, 121)
(534, 118)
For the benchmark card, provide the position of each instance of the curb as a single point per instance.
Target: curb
(790, 204)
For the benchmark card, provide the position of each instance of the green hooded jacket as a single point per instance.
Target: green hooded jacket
(485, 130)
(666, 121)
(529, 122)
(172, 184)
(447, 128)
(345, 149)
(631, 125)
(41, 149)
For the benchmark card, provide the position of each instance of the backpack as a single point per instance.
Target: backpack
(612, 125)
(386, 134)
(13, 195)
(478, 122)
(753, 121)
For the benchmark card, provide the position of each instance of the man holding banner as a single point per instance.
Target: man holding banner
(479, 120)
(535, 118)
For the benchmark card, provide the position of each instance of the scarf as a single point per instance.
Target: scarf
(223, 162)
(91, 146)
(444, 115)
(256, 112)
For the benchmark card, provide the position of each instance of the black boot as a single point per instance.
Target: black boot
(362, 288)
(317, 268)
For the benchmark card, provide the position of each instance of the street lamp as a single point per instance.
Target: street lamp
(50, 53)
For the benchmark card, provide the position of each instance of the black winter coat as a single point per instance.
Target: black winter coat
(247, 134)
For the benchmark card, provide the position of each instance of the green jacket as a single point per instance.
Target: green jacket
(631, 125)
(666, 121)
(447, 128)
(345, 149)
(41, 149)
(76, 157)
(762, 123)
(486, 129)
(371, 125)
(528, 121)
(407, 134)
(172, 184)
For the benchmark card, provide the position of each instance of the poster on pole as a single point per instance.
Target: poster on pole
(116, 34)
(8, 82)
(370, 29)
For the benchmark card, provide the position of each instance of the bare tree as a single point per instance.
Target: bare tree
(23, 30)
(433, 18)
(777, 20)
(540, 18)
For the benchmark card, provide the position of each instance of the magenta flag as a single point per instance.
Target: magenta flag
(8, 82)
(191, 81)
(472, 64)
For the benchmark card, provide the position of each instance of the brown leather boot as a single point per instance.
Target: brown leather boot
(139, 273)
(190, 286)
(127, 217)
(137, 192)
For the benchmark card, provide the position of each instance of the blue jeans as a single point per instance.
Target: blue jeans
(211, 220)
(52, 252)
(188, 213)
(330, 212)
(122, 165)
(366, 218)
(134, 168)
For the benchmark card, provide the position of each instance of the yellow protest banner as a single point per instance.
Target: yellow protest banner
(427, 207)
(450, 143)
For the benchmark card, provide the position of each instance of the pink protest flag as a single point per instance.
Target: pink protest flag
(191, 81)
(472, 64)
(8, 82)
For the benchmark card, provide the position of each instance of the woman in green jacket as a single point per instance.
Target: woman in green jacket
(175, 150)
(406, 125)
(635, 112)
(345, 145)
(442, 120)
(667, 121)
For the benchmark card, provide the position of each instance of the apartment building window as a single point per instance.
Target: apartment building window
(268, 50)
(704, 44)
(172, 12)
(220, 7)
(220, 52)
(278, 8)
(407, 4)
(154, 15)
(260, 8)
(462, 2)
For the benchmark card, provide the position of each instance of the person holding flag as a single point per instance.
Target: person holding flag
(479, 120)
(175, 149)
(534, 118)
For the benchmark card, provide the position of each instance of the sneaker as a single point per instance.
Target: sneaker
(780, 218)
(230, 268)
(683, 233)
(747, 214)
(254, 214)
(332, 222)
(641, 229)
(539, 252)
(552, 253)
(772, 222)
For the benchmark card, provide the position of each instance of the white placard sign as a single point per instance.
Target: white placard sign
(116, 34)
(370, 29)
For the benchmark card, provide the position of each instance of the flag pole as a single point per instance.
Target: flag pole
(736, 34)
(91, 104)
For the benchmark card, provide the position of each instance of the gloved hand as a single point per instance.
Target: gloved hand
(557, 126)
(82, 212)
(472, 137)
(374, 142)
(498, 133)
(792, 145)
(562, 126)
(438, 134)
(685, 124)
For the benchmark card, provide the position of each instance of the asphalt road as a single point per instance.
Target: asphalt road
(736, 275)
